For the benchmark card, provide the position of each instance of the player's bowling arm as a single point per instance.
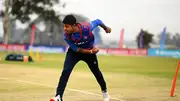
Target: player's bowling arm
(76, 48)
(86, 51)
(71, 44)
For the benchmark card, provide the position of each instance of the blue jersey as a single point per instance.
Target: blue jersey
(84, 38)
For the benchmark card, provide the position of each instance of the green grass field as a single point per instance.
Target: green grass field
(128, 79)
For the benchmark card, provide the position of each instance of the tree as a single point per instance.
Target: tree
(177, 39)
(22, 9)
(51, 35)
(168, 38)
(144, 38)
(171, 39)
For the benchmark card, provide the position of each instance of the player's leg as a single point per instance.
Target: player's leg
(92, 62)
(69, 63)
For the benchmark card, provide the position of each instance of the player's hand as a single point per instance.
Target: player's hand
(108, 30)
(95, 50)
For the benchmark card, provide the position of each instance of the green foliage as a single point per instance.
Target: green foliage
(21, 9)
(147, 38)
(171, 39)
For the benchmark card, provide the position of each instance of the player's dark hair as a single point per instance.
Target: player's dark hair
(69, 19)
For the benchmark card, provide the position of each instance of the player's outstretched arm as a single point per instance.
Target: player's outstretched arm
(98, 22)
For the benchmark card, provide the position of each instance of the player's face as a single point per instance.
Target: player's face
(68, 28)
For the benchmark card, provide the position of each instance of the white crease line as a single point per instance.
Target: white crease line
(75, 90)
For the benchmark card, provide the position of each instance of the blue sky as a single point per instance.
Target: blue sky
(151, 15)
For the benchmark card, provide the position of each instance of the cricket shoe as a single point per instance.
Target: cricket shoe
(57, 98)
(106, 96)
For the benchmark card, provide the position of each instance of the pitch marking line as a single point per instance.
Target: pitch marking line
(70, 89)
